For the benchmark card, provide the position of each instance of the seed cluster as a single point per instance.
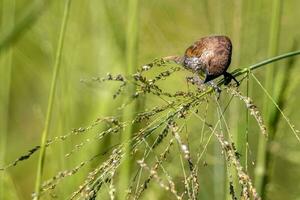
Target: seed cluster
(152, 142)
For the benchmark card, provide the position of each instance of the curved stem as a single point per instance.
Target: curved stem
(265, 62)
(239, 72)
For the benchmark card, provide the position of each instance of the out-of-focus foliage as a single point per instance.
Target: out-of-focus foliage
(95, 44)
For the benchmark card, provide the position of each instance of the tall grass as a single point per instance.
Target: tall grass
(11, 34)
(182, 146)
(269, 110)
(128, 113)
(56, 67)
(238, 33)
(219, 169)
(8, 12)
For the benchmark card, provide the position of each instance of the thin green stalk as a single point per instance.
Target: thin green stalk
(255, 35)
(247, 128)
(65, 116)
(57, 65)
(241, 137)
(128, 115)
(237, 35)
(265, 62)
(262, 154)
(8, 13)
(278, 101)
(219, 169)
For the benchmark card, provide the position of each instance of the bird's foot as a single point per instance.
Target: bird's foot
(228, 77)
(216, 88)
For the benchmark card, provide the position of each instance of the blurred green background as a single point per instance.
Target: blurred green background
(95, 44)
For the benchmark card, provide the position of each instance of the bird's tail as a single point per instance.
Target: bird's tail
(176, 59)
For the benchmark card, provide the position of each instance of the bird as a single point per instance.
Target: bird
(210, 55)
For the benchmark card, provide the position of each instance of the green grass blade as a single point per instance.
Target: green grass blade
(128, 114)
(265, 62)
(260, 174)
(57, 65)
(8, 12)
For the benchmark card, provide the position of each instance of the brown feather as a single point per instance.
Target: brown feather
(211, 55)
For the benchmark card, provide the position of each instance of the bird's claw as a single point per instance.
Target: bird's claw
(228, 77)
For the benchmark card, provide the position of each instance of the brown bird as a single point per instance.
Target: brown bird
(209, 55)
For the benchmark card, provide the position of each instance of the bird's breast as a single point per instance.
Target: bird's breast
(193, 64)
(198, 63)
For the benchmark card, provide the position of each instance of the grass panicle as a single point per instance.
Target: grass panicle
(149, 139)
(166, 135)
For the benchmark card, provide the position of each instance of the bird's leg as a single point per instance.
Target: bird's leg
(228, 77)
(216, 88)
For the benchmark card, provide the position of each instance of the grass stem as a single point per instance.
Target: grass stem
(128, 113)
(57, 65)
(8, 12)
(262, 154)
(265, 62)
